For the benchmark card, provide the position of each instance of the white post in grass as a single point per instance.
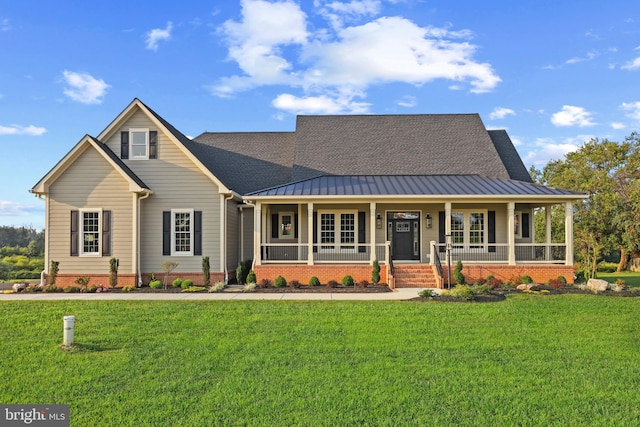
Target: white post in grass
(68, 331)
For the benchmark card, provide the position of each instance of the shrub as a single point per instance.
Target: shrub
(92, 289)
(51, 288)
(526, 279)
(347, 281)
(194, 289)
(463, 292)
(363, 283)
(217, 287)
(83, 280)
(562, 279)
(249, 287)
(186, 284)
(53, 271)
(332, 284)
(242, 271)
(251, 277)
(494, 283)
(280, 282)
(314, 281)
(426, 293)
(113, 272)
(177, 283)
(33, 287)
(294, 284)
(128, 288)
(556, 283)
(482, 289)
(457, 274)
(375, 273)
(481, 281)
(206, 269)
(156, 284)
(71, 289)
(607, 267)
(265, 283)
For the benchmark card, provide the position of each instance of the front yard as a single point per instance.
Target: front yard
(529, 360)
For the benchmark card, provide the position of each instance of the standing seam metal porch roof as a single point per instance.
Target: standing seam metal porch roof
(410, 185)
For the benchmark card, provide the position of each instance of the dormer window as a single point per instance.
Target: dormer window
(139, 144)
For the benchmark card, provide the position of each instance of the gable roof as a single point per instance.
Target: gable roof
(510, 157)
(135, 183)
(247, 161)
(413, 144)
(468, 186)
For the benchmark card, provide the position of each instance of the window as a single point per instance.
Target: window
(139, 141)
(517, 224)
(468, 229)
(90, 232)
(286, 225)
(182, 232)
(342, 232)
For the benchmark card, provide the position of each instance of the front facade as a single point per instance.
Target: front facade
(410, 191)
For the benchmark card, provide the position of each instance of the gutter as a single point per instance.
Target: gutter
(137, 237)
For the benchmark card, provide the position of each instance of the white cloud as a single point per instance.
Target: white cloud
(572, 116)
(501, 113)
(84, 88)
(590, 56)
(632, 65)
(8, 208)
(336, 61)
(407, 101)
(158, 34)
(548, 149)
(4, 25)
(22, 130)
(632, 110)
(618, 125)
(321, 104)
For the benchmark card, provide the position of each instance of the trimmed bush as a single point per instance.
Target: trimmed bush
(347, 280)
(526, 279)
(51, 288)
(457, 274)
(295, 284)
(265, 283)
(332, 284)
(462, 291)
(128, 288)
(177, 283)
(206, 275)
(280, 282)
(607, 267)
(494, 283)
(363, 283)
(155, 284)
(562, 279)
(375, 273)
(71, 289)
(314, 281)
(217, 287)
(186, 284)
(251, 277)
(426, 293)
(556, 283)
(83, 280)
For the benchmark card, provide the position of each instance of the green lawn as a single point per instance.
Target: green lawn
(532, 360)
(631, 279)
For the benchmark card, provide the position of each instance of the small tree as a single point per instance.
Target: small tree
(167, 268)
(457, 274)
(251, 277)
(206, 270)
(53, 271)
(113, 271)
(375, 274)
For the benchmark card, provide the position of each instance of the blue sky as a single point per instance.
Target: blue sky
(553, 73)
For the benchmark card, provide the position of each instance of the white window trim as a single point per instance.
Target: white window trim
(173, 232)
(81, 251)
(337, 245)
(466, 245)
(281, 235)
(146, 133)
(518, 222)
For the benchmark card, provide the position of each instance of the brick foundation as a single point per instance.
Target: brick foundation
(63, 280)
(324, 272)
(539, 273)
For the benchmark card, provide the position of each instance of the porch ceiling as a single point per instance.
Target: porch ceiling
(413, 185)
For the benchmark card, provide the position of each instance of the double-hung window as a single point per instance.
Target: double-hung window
(286, 226)
(337, 230)
(90, 230)
(139, 140)
(182, 232)
(469, 229)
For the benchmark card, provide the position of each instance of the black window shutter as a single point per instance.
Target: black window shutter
(295, 226)
(315, 232)
(362, 235)
(153, 144)
(106, 233)
(442, 238)
(197, 232)
(274, 226)
(166, 233)
(124, 145)
(525, 225)
(74, 233)
(491, 225)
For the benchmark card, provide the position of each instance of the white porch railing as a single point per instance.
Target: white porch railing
(551, 253)
(282, 253)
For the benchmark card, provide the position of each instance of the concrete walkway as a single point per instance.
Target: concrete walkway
(398, 294)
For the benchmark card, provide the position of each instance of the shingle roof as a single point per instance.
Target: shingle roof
(510, 157)
(413, 144)
(409, 185)
(120, 163)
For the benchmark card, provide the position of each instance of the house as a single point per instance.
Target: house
(326, 200)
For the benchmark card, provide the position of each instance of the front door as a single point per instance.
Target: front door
(404, 230)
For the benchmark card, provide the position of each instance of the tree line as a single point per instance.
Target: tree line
(21, 253)
(607, 223)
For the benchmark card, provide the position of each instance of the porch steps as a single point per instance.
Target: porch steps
(414, 276)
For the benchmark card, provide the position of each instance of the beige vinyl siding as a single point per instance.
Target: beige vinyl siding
(90, 182)
(177, 183)
(247, 234)
(233, 236)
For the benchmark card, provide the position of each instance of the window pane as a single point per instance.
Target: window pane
(182, 230)
(286, 225)
(347, 228)
(90, 232)
(327, 228)
(139, 144)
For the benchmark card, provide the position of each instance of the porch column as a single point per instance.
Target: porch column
(547, 211)
(568, 233)
(257, 234)
(372, 231)
(310, 233)
(447, 218)
(511, 237)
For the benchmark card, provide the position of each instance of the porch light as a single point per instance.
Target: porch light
(427, 221)
(378, 221)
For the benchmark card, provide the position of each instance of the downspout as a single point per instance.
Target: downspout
(146, 194)
(46, 239)
(224, 238)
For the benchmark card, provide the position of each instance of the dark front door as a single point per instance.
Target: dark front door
(405, 239)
